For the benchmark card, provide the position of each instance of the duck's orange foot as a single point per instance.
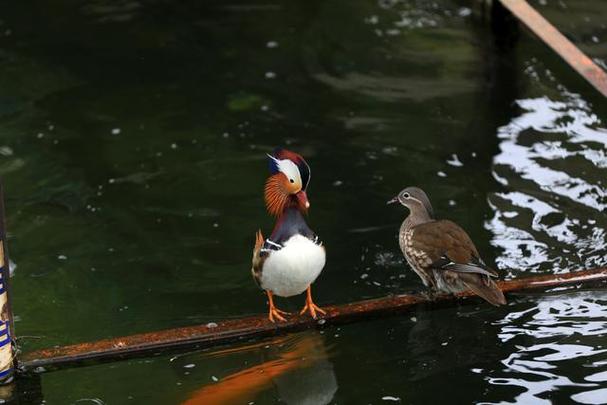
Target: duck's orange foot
(310, 306)
(276, 313)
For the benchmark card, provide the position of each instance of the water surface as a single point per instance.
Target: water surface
(132, 147)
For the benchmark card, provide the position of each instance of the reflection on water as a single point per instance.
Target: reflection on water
(553, 158)
(557, 349)
(133, 135)
(391, 33)
(297, 367)
(313, 382)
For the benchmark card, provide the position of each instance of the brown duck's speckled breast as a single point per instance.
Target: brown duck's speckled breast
(419, 261)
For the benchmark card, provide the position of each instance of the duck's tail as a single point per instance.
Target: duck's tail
(484, 287)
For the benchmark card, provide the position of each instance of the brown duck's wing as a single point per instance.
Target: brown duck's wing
(449, 247)
(258, 258)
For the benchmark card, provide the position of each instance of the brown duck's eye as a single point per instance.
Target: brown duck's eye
(406, 195)
(292, 181)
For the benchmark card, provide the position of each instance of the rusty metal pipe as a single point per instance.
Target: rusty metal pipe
(255, 327)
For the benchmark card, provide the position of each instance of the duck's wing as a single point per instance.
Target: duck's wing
(446, 244)
(448, 247)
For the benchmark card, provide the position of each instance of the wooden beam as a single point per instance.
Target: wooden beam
(255, 327)
(559, 43)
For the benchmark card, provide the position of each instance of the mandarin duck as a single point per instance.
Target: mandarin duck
(441, 252)
(290, 260)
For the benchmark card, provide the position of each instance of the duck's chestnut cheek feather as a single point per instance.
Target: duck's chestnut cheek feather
(302, 198)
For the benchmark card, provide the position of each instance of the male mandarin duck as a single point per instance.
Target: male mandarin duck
(441, 253)
(290, 260)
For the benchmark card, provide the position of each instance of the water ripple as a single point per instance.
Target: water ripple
(547, 353)
(554, 156)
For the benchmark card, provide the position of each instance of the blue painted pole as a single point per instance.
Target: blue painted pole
(7, 346)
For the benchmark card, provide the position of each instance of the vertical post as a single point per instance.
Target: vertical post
(7, 347)
(504, 26)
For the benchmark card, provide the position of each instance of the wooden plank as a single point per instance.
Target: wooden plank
(559, 43)
(255, 327)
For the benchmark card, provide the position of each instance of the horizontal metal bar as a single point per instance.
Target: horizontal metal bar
(559, 43)
(243, 329)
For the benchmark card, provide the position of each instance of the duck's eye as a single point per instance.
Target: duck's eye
(406, 195)
(292, 181)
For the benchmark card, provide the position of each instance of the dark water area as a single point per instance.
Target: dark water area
(133, 137)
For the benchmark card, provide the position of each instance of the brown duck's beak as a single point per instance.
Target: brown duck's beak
(392, 201)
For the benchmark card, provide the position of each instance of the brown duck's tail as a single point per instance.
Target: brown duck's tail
(484, 287)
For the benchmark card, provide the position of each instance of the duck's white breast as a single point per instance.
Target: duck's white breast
(290, 270)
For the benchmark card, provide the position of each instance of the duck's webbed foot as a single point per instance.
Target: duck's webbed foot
(310, 306)
(275, 312)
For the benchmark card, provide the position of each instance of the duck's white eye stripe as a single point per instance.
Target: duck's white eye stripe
(289, 169)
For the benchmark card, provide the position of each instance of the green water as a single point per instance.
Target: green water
(132, 148)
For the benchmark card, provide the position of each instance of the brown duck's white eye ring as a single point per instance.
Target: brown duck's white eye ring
(406, 195)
